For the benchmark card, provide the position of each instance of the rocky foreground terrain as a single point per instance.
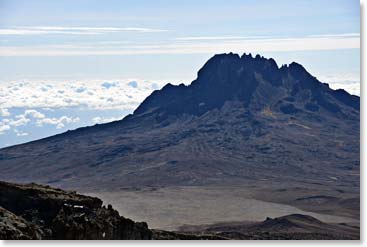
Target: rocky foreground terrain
(35, 212)
(40, 212)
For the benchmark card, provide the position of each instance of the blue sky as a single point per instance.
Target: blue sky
(55, 56)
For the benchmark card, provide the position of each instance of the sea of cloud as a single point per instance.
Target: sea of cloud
(348, 82)
(94, 94)
(32, 109)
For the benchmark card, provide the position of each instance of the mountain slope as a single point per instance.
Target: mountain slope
(243, 120)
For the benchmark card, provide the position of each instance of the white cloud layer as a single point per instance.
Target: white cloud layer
(3, 127)
(47, 30)
(8, 123)
(20, 133)
(194, 38)
(192, 45)
(31, 116)
(348, 82)
(92, 94)
(19, 120)
(101, 120)
(4, 112)
(34, 114)
(58, 122)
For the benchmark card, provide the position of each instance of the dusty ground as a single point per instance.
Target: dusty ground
(171, 207)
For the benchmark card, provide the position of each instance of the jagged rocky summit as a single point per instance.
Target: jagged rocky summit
(254, 82)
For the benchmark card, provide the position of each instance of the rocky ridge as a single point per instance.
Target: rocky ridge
(40, 212)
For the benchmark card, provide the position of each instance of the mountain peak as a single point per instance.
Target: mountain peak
(256, 82)
(298, 70)
(233, 60)
(242, 120)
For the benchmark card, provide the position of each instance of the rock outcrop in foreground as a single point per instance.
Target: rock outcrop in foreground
(40, 212)
(35, 212)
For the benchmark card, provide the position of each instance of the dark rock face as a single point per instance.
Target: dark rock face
(40, 201)
(228, 77)
(41, 212)
(71, 223)
(13, 227)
